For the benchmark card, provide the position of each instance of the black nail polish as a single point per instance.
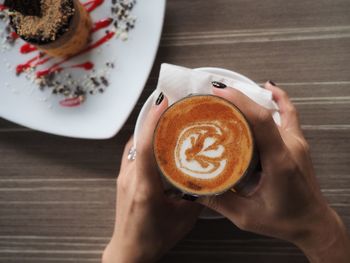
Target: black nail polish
(272, 83)
(189, 197)
(160, 98)
(218, 85)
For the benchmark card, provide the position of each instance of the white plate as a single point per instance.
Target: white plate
(207, 213)
(102, 115)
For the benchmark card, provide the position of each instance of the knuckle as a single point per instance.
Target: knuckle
(143, 192)
(263, 116)
(291, 168)
(142, 196)
(243, 223)
(284, 94)
(141, 199)
(291, 109)
(139, 194)
(121, 184)
(304, 147)
(212, 203)
(123, 179)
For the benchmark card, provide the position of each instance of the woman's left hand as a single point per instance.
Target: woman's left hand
(148, 223)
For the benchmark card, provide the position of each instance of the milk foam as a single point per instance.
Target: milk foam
(199, 151)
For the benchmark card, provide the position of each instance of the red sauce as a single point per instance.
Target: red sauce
(92, 5)
(48, 71)
(87, 65)
(98, 43)
(71, 102)
(3, 7)
(22, 67)
(41, 62)
(56, 67)
(102, 24)
(14, 35)
(27, 48)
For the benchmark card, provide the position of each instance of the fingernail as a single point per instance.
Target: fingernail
(272, 83)
(160, 98)
(218, 85)
(189, 197)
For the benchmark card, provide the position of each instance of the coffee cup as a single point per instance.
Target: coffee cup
(203, 146)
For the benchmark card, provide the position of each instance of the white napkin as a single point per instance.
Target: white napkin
(177, 82)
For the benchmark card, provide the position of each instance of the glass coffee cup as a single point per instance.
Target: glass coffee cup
(203, 146)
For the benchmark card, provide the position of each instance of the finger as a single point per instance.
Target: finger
(186, 214)
(145, 160)
(189, 207)
(267, 136)
(228, 204)
(125, 161)
(288, 112)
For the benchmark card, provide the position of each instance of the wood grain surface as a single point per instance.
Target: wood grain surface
(57, 195)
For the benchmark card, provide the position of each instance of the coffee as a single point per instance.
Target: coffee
(203, 145)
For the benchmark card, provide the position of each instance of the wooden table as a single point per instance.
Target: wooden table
(57, 194)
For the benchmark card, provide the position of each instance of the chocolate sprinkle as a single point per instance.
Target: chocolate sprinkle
(104, 81)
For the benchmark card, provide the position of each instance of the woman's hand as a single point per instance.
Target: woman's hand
(287, 203)
(148, 223)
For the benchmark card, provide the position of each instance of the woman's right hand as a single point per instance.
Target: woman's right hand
(287, 203)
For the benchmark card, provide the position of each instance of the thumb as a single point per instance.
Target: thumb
(229, 204)
(189, 207)
(189, 210)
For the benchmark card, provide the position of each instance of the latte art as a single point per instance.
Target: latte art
(200, 151)
(203, 145)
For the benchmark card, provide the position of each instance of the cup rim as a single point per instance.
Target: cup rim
(252, 152)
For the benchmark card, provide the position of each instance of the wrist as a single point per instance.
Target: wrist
(115, 253)
(325, 239)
